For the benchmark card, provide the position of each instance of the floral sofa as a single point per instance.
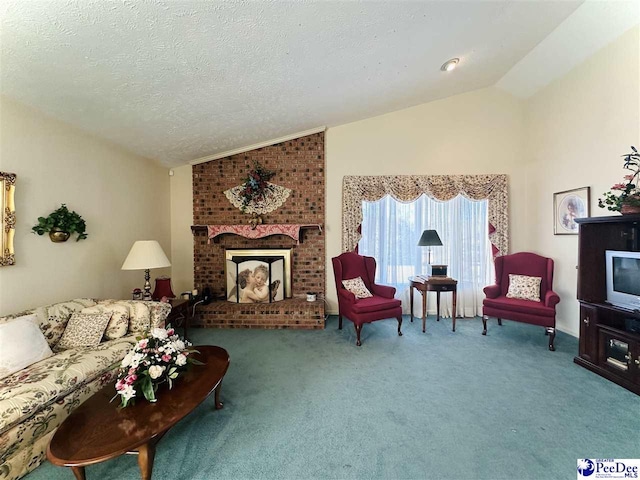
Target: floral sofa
(35, 400)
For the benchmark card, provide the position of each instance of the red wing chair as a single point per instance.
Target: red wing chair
(380, 306)
(497, 304)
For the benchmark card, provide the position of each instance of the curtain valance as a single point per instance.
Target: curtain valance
(407, 188)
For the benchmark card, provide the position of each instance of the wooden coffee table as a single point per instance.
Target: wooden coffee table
(99, 430)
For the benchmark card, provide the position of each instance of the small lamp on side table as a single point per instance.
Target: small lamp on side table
(145, 255)
(163, 289)
(430, 238)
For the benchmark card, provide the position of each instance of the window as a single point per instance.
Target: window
(390, 233)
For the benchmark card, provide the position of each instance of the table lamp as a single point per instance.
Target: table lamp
(145, 255)
(163, 289)
(430, 239)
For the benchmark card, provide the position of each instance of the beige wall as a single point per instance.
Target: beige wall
(577, 129)
(474, 133)
(181, 236)
(122, 198)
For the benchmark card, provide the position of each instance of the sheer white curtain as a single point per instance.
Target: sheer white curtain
(390, 233)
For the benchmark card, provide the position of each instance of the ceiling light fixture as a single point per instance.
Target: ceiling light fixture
(450, 65)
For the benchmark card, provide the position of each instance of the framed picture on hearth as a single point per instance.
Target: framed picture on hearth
(567, 206)
(257, 275)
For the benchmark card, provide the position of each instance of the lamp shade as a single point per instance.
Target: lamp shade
(163, 289)
(429, 238)
(145, 254)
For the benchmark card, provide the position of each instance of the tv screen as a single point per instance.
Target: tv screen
(626, 275)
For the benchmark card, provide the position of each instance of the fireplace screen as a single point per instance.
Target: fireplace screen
(258, 275)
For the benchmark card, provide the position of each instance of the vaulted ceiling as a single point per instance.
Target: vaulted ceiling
(180, 80)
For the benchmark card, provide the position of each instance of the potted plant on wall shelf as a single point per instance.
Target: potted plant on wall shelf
(626, 198)
(60, 224)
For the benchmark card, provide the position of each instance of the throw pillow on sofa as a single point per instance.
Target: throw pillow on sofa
(53, 318)
(139, 315)
(83, 330)
(21, 344)
(119, 321)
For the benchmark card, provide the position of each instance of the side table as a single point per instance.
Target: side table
(180, 314)
(433, 284)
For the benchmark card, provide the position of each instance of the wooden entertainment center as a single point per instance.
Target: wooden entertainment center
(609, 335)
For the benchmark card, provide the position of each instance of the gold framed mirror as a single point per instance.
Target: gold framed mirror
(8, 215)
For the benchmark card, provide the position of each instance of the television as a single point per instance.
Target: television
(623, 279)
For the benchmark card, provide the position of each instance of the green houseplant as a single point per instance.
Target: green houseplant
(60, 224)
(625, 197)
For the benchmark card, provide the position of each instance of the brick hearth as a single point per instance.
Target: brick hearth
(289, 313)
(299, 165)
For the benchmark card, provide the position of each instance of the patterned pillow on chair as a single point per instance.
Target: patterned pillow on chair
(524, 287)
(357, 287)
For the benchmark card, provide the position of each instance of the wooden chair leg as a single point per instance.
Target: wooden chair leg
(358, 330)
(399, 317)
(484, 324)
(339, 322)
(552, 335)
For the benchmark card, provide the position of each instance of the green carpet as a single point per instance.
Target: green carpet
(440, 405)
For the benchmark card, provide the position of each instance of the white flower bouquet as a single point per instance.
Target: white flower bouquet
(159, 356)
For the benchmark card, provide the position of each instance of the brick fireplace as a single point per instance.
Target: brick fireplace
(300, 166)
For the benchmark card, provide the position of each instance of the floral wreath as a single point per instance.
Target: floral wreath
(256, 185)
(256, 195)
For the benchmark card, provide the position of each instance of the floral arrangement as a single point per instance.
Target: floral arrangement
(256, 185)
(159, 356)
(624, 194)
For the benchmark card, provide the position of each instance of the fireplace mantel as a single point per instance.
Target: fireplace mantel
(292, 230)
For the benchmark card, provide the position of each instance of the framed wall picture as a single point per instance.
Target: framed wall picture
(8, 218)
(567, 206)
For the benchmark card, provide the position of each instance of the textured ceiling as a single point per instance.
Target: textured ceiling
(180, 80)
